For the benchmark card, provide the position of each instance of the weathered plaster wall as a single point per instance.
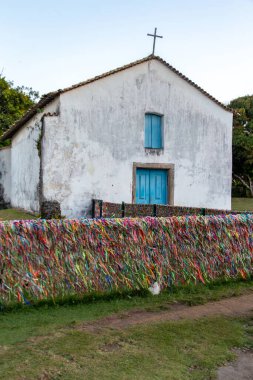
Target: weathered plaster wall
(89, 152)
(5, 176)
(25, 157)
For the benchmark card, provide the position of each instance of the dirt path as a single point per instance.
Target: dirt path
(231, 307)
(240, 369)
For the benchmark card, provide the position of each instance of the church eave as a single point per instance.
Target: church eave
(48, 98)
(37, 108)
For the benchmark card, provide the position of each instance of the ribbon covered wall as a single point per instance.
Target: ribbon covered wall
(42, 259)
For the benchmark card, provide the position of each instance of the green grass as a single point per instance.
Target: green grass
(169, 350)
(50, 341)
(242, 204)
(14, 214)
(192, 294)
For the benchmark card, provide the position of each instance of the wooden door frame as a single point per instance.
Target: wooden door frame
(170, 185)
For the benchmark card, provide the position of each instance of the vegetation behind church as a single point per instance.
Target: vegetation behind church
(14, 102)
(243, 145)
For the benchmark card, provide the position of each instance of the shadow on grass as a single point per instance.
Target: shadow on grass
(188, 294)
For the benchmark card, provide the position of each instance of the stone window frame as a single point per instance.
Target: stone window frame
(171, 172)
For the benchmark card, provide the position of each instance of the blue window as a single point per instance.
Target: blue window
(153, 131)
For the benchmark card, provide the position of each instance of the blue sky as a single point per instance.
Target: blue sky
(53, 44)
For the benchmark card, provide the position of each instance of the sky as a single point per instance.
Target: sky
(53, 44)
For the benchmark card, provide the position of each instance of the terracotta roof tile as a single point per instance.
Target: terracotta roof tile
(46, 99)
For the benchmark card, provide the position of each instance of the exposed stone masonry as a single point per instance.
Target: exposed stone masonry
(50, 210)
(118, 210)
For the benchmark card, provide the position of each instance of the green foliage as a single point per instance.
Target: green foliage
(14, 102)
(243, 141)
(244, 108)
(39, 142)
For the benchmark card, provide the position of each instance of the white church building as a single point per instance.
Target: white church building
(142, 133)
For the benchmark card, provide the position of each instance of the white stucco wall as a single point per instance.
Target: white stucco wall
(25, 168)
(88, 152)
(5, 175)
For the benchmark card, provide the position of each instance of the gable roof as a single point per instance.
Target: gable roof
(48, 98)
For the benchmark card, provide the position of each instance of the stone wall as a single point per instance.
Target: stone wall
(50, 210)
(119, 210)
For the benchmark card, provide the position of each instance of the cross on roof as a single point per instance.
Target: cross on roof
(155, 36)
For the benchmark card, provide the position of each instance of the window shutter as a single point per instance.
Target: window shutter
(156, 134)
(148, 131)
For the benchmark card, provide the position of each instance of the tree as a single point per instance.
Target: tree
(14, 102)
(243, 141)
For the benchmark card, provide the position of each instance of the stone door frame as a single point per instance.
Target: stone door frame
(170, 186)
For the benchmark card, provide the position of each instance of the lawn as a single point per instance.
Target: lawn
(242, 204)
(14, 214)
(50, 342)
(169, 350)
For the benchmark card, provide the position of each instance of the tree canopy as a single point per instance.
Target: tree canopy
(243, 141)
(14, 102)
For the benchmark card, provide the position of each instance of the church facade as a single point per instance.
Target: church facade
(143, 133)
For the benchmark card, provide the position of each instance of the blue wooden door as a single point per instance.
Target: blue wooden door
(151, 186)
(142, 186)
(158, 186)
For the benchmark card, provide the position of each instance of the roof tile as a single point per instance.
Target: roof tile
(47, 98)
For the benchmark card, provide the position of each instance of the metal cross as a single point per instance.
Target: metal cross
(155, 36)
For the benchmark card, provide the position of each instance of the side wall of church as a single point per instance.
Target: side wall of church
(5, 176)
(100, 135)
(25, 159)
